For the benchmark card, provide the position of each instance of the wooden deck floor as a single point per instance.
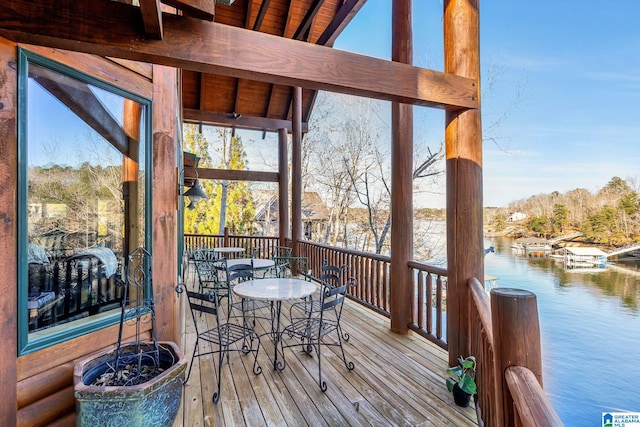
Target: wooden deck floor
(397, 381)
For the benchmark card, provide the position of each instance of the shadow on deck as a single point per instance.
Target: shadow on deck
(398, 380)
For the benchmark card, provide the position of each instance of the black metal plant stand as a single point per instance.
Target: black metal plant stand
(139, 358)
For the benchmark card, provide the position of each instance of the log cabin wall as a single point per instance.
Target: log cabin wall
(38, 387)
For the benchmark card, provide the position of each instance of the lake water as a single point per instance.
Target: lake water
(590, 331)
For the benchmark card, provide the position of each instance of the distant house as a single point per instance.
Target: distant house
(516, 216)
(315, 214)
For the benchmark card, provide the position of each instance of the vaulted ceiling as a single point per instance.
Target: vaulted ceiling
(245, 103)
(240, 61)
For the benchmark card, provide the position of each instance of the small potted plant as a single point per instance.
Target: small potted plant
(462, 381)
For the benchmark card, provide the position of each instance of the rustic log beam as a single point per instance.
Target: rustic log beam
(239, 122)
(152, 18)
(261, 13)
(232, 175)
(108, 28)
(304, 26)
(344, 15)
(199, 9)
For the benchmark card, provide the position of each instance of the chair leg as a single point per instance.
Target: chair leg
(193, 357)
(321, 383)
(257, 369)
(348, 365)
(216, 394)
(345, 335)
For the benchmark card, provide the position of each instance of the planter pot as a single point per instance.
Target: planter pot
(460, 397)
(153, 403)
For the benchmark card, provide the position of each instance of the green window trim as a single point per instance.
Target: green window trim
(30, 342)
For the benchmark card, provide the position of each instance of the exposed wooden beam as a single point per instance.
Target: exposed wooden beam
(287, 22)
(108, 28)
(233, 175)
(241, 122)
(152, 18)
(303, 28)
(77, 96)
(199, 9)
(344, 15)
(261, 13)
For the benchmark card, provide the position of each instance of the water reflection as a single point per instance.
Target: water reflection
(589, 323)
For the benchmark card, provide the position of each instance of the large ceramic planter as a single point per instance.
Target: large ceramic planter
(153, 403)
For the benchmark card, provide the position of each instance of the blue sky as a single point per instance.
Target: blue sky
(560, 89)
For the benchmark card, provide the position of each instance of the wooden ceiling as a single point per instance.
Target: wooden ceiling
(236, 76)
(243, 103)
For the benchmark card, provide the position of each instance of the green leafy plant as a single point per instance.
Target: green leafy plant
(464, 375)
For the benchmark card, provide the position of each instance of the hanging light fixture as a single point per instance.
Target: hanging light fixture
(195, 192)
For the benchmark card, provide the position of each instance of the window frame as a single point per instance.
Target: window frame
(25, 57)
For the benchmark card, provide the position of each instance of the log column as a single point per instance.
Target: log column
(165, 202)
(9, 229)
(283, 187)
(401, 179)
(463, 137)
(516, 339)
(296, 169)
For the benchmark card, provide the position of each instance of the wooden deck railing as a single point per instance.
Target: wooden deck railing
(505, 339)
(372, 273)
(264, 246)
(509, 370)
(428, 302)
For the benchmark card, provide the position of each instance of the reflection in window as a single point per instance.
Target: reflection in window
(84, 150)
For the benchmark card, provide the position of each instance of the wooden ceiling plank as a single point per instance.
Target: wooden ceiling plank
(108, 28)
(199, 9)
(341, 19)
(303, 28)
(238, 121)
(152, 18)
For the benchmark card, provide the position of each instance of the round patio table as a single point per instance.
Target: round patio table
(275, 290)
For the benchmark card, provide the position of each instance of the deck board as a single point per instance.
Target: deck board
(397, 381)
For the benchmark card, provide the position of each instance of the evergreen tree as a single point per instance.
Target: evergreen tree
(560, 217)
(230, 203)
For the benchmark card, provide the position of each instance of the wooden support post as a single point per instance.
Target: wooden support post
(165, 202)
(283, 187)
(296, 169)
(9, 230)
(516, 339)
(463, 137)
(401, 179)
(225, 237)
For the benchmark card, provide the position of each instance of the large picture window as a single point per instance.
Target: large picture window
(83, 199)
